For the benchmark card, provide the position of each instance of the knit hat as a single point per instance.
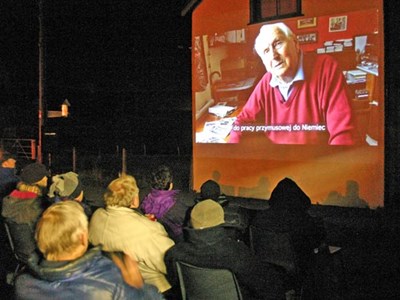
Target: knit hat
(65, 186)
(33, 173)
(207, 213)
(210, 190)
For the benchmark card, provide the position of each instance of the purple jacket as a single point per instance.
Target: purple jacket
(168, 210)
(159, 202)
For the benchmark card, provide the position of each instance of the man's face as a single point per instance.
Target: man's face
(280, 54)
(9, 163)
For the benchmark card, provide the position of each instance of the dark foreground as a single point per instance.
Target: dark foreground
(368, 263)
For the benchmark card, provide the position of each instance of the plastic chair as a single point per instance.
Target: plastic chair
(204, 283)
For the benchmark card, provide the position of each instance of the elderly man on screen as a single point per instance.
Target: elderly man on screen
(302, 97)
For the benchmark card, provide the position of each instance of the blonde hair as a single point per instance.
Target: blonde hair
(59, 230)
(121, 191)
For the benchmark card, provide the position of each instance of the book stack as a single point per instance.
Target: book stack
(362, 94)
(356, 76)
(335, 46)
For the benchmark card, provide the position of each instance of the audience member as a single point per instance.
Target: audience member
(166, 204)
(8, 182)
(70, 270)
(8, 176)
(210, 189)
(121, 227)
(288, 213)
(67, 186)
(208, 246)
(23, 206)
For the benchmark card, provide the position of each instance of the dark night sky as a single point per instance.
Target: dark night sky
(123, 65)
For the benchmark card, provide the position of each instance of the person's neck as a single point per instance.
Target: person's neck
(77, 253)
(286, 79)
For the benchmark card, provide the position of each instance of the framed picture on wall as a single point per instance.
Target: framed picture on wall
(338, 23)
(306, 23)
(307, 38)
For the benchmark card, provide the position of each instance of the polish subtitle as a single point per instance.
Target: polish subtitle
(288, 128)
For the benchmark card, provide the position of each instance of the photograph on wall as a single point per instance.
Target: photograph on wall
(307, 23)
(338, 24)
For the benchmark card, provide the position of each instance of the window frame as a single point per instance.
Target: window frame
(256, 12)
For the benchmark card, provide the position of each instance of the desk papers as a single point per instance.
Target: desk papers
(221, 109)
(215, 131)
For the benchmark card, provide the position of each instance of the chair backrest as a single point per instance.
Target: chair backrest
(203, 283)
(275, 248)
(21, 239)
(10, 240)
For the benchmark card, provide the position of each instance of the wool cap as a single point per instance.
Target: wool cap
(207, 213)
(210, 190)
(33, 173)
(65, 185)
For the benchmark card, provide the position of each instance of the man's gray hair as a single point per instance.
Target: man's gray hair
(265, 30)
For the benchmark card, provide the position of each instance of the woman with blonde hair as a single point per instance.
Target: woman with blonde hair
(121, 227)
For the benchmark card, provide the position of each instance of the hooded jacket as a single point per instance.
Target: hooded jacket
(288, 213)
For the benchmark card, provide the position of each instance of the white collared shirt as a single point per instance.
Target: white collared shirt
(286, 87)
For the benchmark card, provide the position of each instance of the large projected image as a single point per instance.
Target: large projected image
(305, 82)
(300, 98)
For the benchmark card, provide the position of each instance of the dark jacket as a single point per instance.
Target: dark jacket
(8, 181)
(21, 210)
(288, 213)
(91, 276)
(212, 248)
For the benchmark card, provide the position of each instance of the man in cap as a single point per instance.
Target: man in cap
(207, 245)
(23, 206)
(67, 186)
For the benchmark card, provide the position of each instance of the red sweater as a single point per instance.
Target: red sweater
(317, 111)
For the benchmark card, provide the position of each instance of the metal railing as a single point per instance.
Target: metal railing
(23, 148)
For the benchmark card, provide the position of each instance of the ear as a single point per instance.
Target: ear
(80, 197)
(84, 237)
(135, 202)
(296, 44)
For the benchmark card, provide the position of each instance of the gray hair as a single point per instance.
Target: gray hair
(265, 30)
